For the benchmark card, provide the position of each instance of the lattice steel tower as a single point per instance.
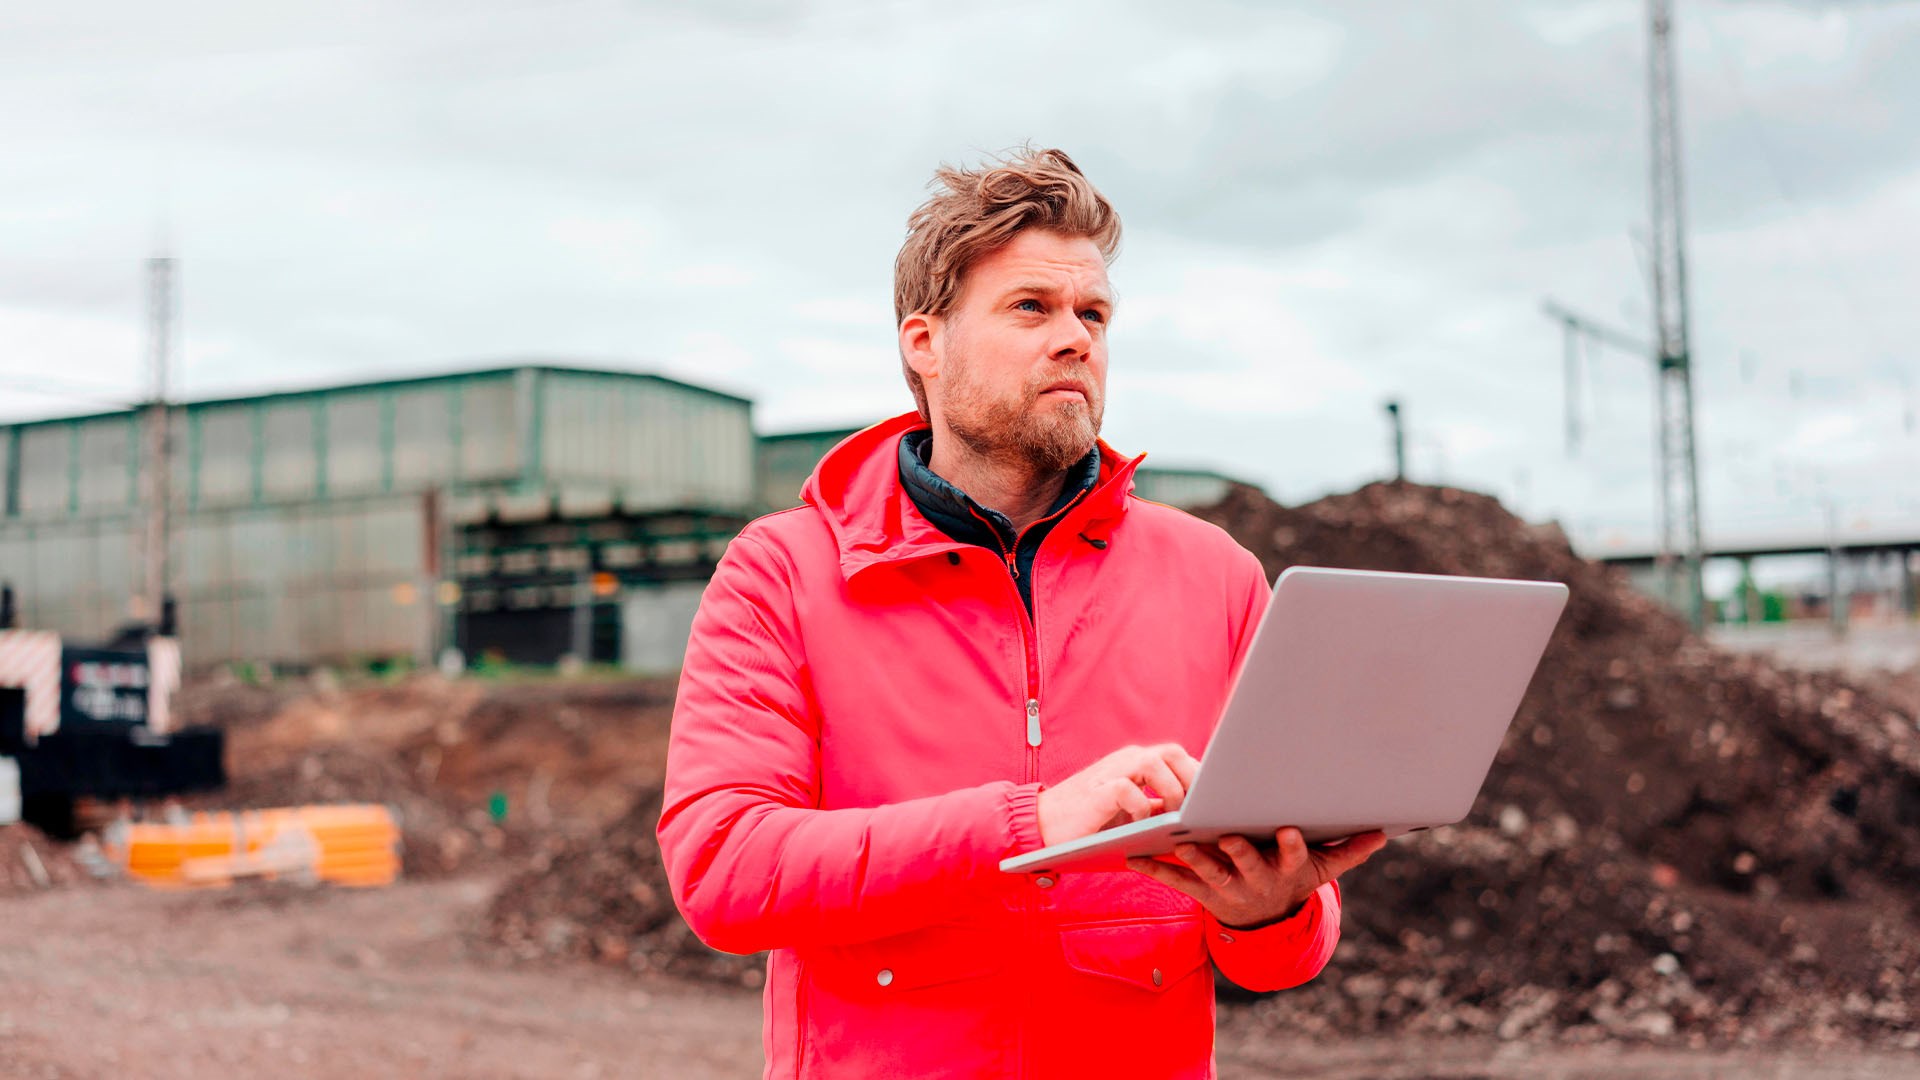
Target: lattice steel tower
(1679, 467)
(156, 459)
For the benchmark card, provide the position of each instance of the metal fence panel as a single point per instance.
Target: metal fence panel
(259, 542)
(288, 465)
(62, 560)
(354, 463)
(223, 474)
(395, 538)
(202, 553)
(656, 443)
(349, 540)
(16, 556)
(489, 430)
(107, 447)
(423, 449)
(44, 459)
(1179, 488)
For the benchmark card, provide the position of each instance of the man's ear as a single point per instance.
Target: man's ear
(920, 335)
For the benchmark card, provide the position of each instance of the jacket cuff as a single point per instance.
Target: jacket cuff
(1023, 819)
(1282, 954)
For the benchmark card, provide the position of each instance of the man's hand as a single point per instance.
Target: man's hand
(1244, 887)
(1126, 785)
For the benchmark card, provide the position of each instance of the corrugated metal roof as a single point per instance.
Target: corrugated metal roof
(404, 381)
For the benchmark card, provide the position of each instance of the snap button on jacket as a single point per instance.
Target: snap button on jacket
(864, 723)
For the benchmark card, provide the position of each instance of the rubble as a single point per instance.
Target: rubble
(559, 758)
(1674, 844)
(438, 835)
(605, 898)
(30, 862)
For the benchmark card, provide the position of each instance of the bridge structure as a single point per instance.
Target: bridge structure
(1881, 545)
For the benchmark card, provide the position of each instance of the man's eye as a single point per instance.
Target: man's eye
(1028, 305)
(1093, 315)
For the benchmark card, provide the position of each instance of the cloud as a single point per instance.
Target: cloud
(1326, 205)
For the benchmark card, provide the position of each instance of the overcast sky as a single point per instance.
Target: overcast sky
(1326, 206)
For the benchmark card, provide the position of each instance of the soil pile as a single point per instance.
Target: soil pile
(438, 834)
(561, 752)
(605, 898)
(560, 757)
(1673, 842)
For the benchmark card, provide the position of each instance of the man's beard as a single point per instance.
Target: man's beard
(1046, 438)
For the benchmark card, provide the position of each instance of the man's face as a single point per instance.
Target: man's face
(1023, 353)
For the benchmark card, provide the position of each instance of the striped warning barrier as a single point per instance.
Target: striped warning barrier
(352, 845)
(30, 660)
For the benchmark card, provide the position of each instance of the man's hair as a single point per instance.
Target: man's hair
(974, 212)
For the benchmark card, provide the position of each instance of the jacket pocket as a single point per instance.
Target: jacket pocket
(917, 1005)
(1150, 955)
(925, 958)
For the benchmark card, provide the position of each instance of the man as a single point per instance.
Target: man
(971, 641)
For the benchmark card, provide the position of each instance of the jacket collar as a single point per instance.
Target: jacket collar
(957, 514)
(856, 488)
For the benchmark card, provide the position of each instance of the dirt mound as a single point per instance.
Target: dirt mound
(560, 757)
(566, 752)
(438, 835)
(605, 898)
(1673, 841)
(558, 752)
(29, 861)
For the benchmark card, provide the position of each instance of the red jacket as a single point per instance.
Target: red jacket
(856, 746)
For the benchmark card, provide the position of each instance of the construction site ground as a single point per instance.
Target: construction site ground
(1687, 861)
(120, 981)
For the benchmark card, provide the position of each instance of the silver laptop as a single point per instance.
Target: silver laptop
(1367, 700)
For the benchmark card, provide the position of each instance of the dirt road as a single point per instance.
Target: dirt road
(123, 982)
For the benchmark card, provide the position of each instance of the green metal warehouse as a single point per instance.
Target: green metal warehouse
(530, 510)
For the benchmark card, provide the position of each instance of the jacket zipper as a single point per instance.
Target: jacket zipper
(1028, 632)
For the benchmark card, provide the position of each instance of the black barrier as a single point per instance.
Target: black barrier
(13, 720)
(129, 764)
(102, 688)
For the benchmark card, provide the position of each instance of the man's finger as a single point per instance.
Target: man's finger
(1293, 849)
(1175, 877)
(1182, 763)
(1207, 866)
(1129, 799)
(1335, 861)
(1155, 773)
(1252, 865)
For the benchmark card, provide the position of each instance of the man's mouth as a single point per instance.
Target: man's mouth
(1066, 389)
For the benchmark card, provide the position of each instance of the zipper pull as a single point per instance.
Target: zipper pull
(1013, 567)
(1033, 722)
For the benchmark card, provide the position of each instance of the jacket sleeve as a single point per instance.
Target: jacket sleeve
(1294, 950)
(753, 862)
(1284, 954)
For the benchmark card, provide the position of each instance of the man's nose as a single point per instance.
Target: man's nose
(1073, 340)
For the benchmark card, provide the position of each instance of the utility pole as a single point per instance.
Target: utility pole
(1399, 441)
(1679, 466)
(156, 488)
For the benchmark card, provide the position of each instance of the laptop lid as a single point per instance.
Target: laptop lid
(1372, 699)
